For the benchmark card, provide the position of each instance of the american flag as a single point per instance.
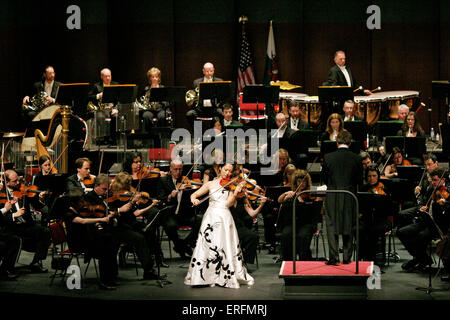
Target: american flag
(246, 70)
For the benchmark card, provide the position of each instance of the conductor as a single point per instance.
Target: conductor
(341, 170)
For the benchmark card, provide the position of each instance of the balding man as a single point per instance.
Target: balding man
(205, 108)
(340, 74)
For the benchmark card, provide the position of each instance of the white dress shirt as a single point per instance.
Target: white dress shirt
(347, 76)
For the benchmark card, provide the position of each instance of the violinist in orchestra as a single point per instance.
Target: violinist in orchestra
(397, 160)
(244, 215)
(133, 165)
(374, 224)
(432, 222)
(42, 202)
(82, 180)
(421, 191)
(90, 232)
(170, 191)
(306, 218)
(287, 174)
(211, 171)
(127, 202)
(217, 257)
(17, 213)
(9, 249)
(366, 162)
(335, 125)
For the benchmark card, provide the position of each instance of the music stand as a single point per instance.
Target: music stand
(260, 93)
(334, 97)
(74, 95)
(441, 90)
(445, 136)
(411, 173)
(217, 91)
(299, 143)
(359, 131)
(394, 141)
(401, 190)
(373, 204)
(387, 128)
(415, 146)
(55, 183)
(168, 94)
(147, 184)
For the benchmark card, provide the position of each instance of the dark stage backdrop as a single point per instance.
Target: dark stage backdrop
(411, 49)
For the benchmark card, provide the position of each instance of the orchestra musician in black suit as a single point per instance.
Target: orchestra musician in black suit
(349, 109)
(75, 181)
(19, 222)
(416, 236)
(9, 249)
(341, 170)
(48, 85)
(340, 74)
(207, 108)
(170, 191)
(294, 122)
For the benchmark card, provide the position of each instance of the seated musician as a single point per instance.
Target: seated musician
(289, 170)
(42, 202)
(128, 230)
(373, 225)
(158, 110)
(421, 192)
(403, 111)
(334, 126)
(294, 122)
(82, 179)
(243, 214)
(306, 220)
(228, 121)
(47, 85)
(19, 222)
(206, 108)
(9, 249)
(349, 108)
(416, 236)
(170, 191)
(133, 166)
(93, 235)
(397, 158)
(96, 96)
(366, 161)
(411, 126)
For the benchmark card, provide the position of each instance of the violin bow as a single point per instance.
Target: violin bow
(3, 171)
(221, 187)
(187, 174)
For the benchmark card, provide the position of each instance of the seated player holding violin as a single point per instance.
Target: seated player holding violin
(432, 222)
(170, 189)
(397, 160)
(243, 214)
(142, 206)
(16, 212)
(122, 232)
(43, 201)
(373, 225)
(306, 220)
(82, 180)
(133, 166)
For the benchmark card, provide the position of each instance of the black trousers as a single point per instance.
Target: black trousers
(416, 238)
(269, 218)
(9, 249)
(35, 238)
(304, 236)
(371, 234)
(104, 246)
(249, 243)
(125, 234)
(147, 119)
(333, 242)
(212, 111)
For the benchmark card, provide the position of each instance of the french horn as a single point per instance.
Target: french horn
(37, 102)
(191, 97)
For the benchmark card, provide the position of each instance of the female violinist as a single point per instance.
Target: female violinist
(42, 202)
(397, 157)
(133, 166)
(307, 217)
(287, 175)
(375, 223)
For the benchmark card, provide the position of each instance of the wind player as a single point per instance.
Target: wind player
(20, 223)
(417, 235)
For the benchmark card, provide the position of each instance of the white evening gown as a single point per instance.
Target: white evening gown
(217, 257)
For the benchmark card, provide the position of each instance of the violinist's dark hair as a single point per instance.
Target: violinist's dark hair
(372, 168)
(129, 160)
(43, 159)
(431, 156)
(80, 161)
(75, 198)
(439, 171)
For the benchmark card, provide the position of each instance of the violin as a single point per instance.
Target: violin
(24, 191)
(147, 172)
(89, 181)
(378, 189)
(440, 193)
(93, 211)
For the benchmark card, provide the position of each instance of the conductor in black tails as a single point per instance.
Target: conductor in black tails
(341, 170)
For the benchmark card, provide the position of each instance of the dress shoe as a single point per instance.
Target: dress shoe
(332, 262)
(37, 268)
(445, 278)
(106, 286)
(7, 276)
(410, 265)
